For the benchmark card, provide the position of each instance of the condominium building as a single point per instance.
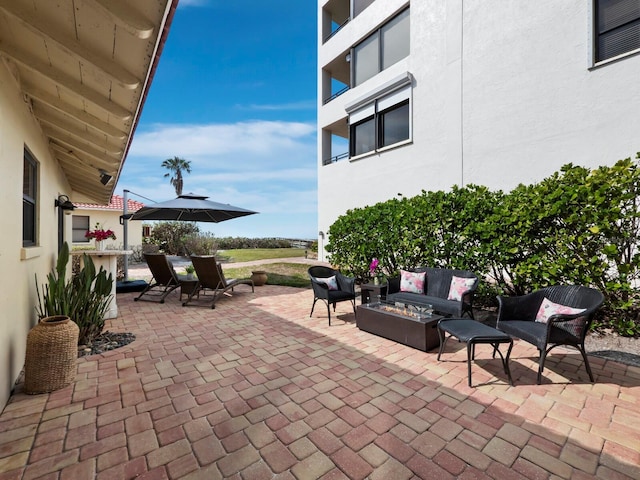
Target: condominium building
(428, 94)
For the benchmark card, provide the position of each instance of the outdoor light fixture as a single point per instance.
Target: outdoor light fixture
(105, 177)
(64, 203)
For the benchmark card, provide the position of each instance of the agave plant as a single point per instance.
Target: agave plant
(84, 298)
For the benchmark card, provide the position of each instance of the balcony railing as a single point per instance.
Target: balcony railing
(336, 30)
(335, 95)
(329, 161)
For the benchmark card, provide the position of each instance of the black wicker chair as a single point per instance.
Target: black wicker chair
(346, 288)
(516, 317)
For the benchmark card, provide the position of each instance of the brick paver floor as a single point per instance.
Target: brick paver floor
(256, 389)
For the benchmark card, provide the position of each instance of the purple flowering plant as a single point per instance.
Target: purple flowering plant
(373, 267)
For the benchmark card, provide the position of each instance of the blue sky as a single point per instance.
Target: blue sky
(235, 93)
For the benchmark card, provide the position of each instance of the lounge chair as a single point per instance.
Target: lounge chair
(211, 277)
(165, 279)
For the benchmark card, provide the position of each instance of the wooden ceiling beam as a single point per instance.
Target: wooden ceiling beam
(126, 17)
(77, 50)
(69, 127)
(80, 115)
(64, 81)
(98, 157)
(79, 166)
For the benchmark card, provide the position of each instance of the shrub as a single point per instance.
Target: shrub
(84, 298)
(578, 226)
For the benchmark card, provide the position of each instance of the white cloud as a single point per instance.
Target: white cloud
(303, 105)
(259, 138)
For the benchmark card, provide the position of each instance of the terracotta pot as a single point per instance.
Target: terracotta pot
(52, 352)
(259, 277)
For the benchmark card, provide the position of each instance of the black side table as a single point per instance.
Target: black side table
(370, 292)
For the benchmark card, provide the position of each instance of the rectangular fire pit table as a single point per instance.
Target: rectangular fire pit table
(400, 324)
(472, 332)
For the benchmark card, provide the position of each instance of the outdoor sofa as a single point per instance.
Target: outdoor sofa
(449, 291)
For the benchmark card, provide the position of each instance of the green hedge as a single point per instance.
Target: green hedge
(578, 226)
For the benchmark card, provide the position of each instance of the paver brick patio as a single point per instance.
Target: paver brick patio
(256, 389)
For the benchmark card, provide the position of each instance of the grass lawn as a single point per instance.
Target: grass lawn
(287, 274)
(251, 254)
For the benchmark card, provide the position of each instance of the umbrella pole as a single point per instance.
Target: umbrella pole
(125, 234)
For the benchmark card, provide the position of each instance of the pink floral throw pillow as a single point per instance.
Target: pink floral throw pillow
(459, 285)
(549, 308)
(330, 282)
(412, 282)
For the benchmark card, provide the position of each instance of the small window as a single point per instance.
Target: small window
(79, 228)
(384, 122)
(29, 200)
(617, 28)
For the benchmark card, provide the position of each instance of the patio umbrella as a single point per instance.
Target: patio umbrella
(190, 208)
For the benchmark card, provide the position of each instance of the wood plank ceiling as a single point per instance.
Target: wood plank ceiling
(84, 67)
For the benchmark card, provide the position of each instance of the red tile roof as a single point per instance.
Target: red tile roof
(116, 203)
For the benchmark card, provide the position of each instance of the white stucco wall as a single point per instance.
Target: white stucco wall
(110, 220)
(19, 265)
(503, 94)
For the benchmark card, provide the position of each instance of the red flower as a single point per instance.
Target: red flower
(100, 234)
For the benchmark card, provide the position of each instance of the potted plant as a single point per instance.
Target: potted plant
(190, 271)
(84, 298)
(69, 312)
(100, 235)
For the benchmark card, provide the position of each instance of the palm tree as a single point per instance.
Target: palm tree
(176, 166)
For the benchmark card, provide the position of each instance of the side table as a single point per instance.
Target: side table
(187, 287)
(369, 291)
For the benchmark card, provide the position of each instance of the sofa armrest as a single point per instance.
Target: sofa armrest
(394, 285)
(346, 284)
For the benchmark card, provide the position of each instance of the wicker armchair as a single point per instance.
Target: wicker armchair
(321, 291)
(517, 317)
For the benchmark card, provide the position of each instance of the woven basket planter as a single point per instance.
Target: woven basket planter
(52, 352)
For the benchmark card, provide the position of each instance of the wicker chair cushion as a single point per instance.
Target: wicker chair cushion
(412, 282)
(330, 282)
(548, 309)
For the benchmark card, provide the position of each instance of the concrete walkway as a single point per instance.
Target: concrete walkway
(256, 389)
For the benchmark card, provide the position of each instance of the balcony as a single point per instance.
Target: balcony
(336, 78)
(335, 142)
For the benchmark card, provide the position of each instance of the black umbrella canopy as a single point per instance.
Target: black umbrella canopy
(191, 208)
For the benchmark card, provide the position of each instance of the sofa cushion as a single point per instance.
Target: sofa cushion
(459, 285)
(412, 282)
(549, 308)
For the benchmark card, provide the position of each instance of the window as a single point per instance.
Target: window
(617, 28)
(383, 48)
(79, 229)
(29, 199)
(382, 123)
(394, 124)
